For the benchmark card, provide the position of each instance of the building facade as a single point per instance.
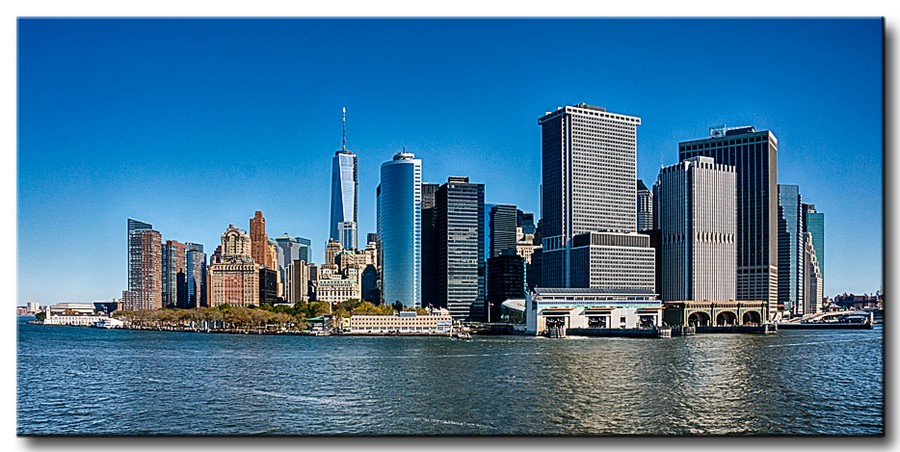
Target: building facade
(814, 223)
(790, 249)
(812, 280)
(754, 154)
(174, 274)
(195, 274)
(233, 275)
(459, 229)
(144, 267)
(506, 280)
(259, 241)
(589, 164)
(502, 226)
(399, 219)
(696, 200)
(560, 309)
(644, 207)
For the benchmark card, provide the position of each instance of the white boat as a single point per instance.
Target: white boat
(108, 323)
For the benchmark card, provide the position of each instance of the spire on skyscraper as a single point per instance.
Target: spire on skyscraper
(344, 129)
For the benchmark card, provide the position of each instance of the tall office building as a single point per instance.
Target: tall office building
(429, 246)
(144, 267)
(506, 281)
(195, 274)
(755, 158)
(297, 282)
(174, 281)
(344, 187)
(790, 249)
(814, 223)
(697, 206)
(372, 237)
(260, 251)
(812, 280)
(502, 224)
(589, 166)
(399, 206)
(459, 229)
(644, 207)
(305, 248)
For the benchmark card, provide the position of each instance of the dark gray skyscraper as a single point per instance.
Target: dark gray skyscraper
(790, 249)
(755, 158)
(429, 247)
(644, 207)
(503, 228)
(344, 187)
(459, 229)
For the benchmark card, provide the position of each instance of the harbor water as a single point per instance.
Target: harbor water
(87, 381)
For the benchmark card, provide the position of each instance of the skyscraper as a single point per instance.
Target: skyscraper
(589, 166)
(144, 267)
(429, 246)
(814, 223)
(195, 274)
(755, 158)
(259, 250)
(812, 280)
(790, 249)
(502, 227)
(459, 220)
(344, 186)
(174, 288)
(507, 281)
(644, 207)
(305, 248)
(399, 206)
(697, 205)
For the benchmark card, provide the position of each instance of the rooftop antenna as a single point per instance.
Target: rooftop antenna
(344, 129)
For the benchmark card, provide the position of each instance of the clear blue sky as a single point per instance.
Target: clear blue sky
(194, 124)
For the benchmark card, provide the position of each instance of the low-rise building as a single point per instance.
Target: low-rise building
(564, 308)
(407, 322)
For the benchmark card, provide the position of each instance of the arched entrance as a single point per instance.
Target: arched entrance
(698, 319)
(751, 318)
(726, 318)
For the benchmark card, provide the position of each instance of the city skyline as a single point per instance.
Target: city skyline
(74, 179)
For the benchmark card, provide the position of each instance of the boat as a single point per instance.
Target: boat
(108, 323)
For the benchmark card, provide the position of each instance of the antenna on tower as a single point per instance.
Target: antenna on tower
(344, 129)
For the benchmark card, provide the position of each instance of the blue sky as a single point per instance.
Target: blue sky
(194, 124)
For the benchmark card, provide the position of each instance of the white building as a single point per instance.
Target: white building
(812, 301)
(612, 261)
(696, 199)
(588, 202)
(590, 308)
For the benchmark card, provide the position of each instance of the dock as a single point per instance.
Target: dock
(650, 333)
(826, 326)
(764, 328)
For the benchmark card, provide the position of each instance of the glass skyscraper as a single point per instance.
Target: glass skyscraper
(195, 275)
(790, 248)
(399, 205)
(344, 187)
(814, 223)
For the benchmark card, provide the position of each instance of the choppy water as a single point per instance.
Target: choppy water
(76, 380)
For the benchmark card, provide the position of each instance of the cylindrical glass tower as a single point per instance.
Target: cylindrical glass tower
(400, 230)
